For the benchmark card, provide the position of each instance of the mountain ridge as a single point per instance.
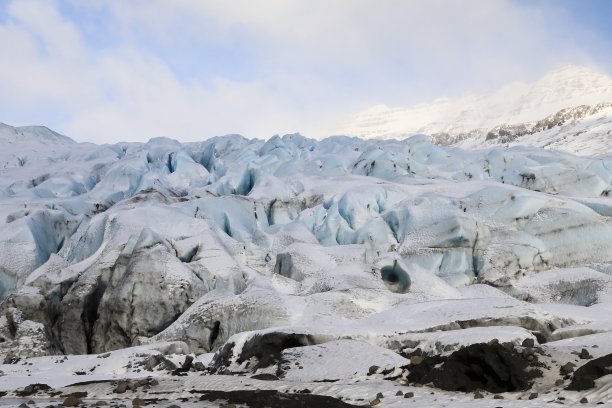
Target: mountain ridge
(565, 87)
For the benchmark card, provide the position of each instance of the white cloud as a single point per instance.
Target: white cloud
(308, 62)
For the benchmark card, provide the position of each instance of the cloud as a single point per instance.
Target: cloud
(108, 71)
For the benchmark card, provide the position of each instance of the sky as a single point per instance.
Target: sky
(108, 71)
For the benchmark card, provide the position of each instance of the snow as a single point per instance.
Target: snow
(466, 121)
(317, 250)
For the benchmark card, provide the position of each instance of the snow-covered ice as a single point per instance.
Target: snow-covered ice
(336, 266)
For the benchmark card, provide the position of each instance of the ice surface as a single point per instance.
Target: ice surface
(316, 250)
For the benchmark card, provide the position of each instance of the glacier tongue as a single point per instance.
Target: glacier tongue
(240, 246)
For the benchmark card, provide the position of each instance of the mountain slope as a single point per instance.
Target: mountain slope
(32, 134)
(474, 115)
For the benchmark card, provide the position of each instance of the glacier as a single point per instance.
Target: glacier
(272, 263)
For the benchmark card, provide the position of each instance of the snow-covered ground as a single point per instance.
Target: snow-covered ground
(344, 267)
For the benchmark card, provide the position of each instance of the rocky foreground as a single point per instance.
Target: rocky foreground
(295, 272)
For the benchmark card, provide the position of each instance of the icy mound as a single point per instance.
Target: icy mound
(249, 248)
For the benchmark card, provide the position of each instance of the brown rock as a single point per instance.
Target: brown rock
(72, 401)
(138, 402)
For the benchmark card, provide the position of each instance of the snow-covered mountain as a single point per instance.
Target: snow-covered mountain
(474, 116)
(339, 273)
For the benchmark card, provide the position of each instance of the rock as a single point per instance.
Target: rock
(409, 394)
(528, 343)
(480, 366)
(533, 395)
(72, 401)
(478, 395)
(584, 354)
(11, 358)
(100, 404)
(32, 389)
(78, 394)
(122, 386)
(273, 398)
(266, 347)
(567, 368)
(498, 396)
(585, 376)
(186, 366)
(584, 400)
(138, 402)
(399, 394)
(265, 377)
(375, 402)
(380, 395)
(373, 369)
(151, 362)
(559, 382)
(23, 405)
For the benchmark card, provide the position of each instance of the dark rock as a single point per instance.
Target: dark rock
(274, 399)
(584, 400)
(528, 343)
(78, 394)
(559, 382)
(399, 394)
(533, 395)
(266, 348)
(32, 389)
(498, 397)
(138, 402)
(489, 367)
(409, 395)
(72, 401)
(373, 369)
(11, 358)
(186, 366)
(375, 402)
(265, 377)
(380, 395)
(584, 354)
(478, 395)
(585, 376)
(567, 368)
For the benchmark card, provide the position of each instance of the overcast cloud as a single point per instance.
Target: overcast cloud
(188, 69)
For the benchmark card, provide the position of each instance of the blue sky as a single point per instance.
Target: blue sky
(189, 69)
